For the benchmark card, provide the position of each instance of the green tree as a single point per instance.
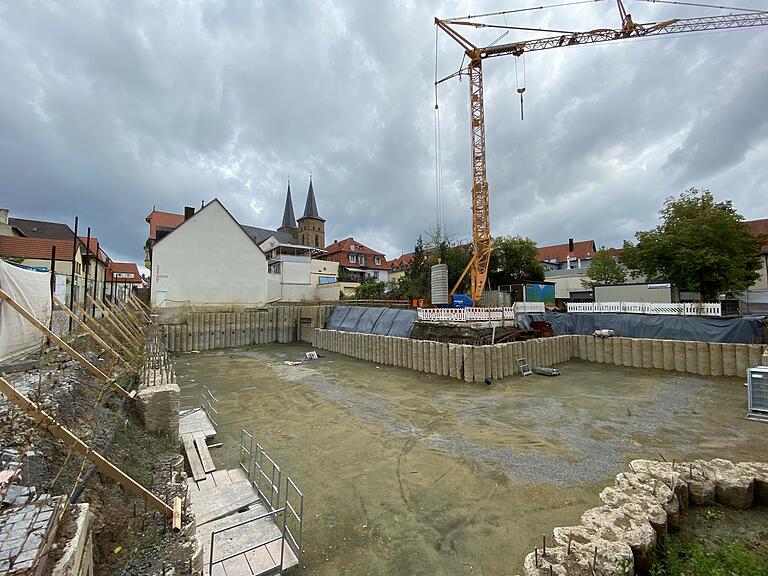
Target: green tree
(437, 249)
(515, 258)
(700, 245)
(604, 270)
(370, 290)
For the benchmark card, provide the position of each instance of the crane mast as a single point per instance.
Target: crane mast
(481, 217)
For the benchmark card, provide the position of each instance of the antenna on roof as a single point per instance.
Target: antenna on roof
(202, 203)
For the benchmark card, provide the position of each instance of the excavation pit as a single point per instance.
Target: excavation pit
(413, 473)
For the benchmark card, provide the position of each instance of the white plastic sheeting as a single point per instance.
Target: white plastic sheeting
(32, 290)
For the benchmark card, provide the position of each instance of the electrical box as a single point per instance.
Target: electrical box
(757, 393)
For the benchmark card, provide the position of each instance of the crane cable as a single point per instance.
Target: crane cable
(529, 9)
(438, 153)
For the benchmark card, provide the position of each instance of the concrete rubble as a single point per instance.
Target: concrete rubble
(640, 509)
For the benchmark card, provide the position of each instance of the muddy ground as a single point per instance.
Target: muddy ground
(409, 473)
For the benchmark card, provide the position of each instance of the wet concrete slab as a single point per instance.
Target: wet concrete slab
(411, 473)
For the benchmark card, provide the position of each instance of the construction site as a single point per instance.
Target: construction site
(149, 433)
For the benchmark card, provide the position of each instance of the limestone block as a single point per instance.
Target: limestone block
(702, 357)
(513, 351)
(729, 359)
(506, 368)
(446, 358)
(679, 356)
(452, 360)
(432, 358)
(653, 510)
(734, 488)
(582, 343)
(758, 471)
(628, 524)
(646, 345)
(613, 555)
(674, 475)
(555, 563)
(495, 362)
(487, 357)
(637, 353)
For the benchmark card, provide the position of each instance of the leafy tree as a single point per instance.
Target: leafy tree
(370, 290)
(344, 275)
(438, 249)
(700, 245)
(515, 258)
(604, 270)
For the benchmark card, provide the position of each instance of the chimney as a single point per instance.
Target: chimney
(570, 244)
(3, 216)
(188, 212)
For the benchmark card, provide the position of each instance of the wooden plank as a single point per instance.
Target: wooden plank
(237, 475)
(42, 419)
(195, 421)
(221, 478)
(176, 523)
(205, 455)
(116, 322)
(63, 345)
(87, 329)
(193, 458)
(95, 323)
(222, 501)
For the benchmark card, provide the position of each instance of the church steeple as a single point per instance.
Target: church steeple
(289, 220)
(311, 226)
(310, 208)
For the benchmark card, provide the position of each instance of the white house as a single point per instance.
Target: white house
(208, 259)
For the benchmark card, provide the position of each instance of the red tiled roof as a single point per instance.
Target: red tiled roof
(94, 248)
(37, 248)
(402, 263)
(615, 252)
(759, 227)
(124, 268)
(346, 246)
(158, 219)
(559, 252)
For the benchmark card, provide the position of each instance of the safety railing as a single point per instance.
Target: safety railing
(283, 500)
(210, 405)
(667, 308)
(276, 515)
(478, 314)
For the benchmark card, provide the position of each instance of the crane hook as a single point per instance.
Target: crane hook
(520, 91)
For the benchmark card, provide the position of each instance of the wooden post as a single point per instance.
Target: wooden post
(88, 330)
(90, 319)
(61, 344)
(140, 306)
(132, 301)
(61, 433)
(124, 321)
(114, 323)
(72, 276)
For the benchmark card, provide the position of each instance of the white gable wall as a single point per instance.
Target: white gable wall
(209, 259)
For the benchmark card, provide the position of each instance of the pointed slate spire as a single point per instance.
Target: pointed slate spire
(310, 208)
(289, 220)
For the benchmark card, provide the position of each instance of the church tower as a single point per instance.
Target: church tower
(311, 227)
(289, 220)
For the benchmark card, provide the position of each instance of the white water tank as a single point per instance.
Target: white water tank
(440, 284)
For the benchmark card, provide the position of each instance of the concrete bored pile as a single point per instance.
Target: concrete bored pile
(620, 537)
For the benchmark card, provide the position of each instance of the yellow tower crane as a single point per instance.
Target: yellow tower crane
(481, 223)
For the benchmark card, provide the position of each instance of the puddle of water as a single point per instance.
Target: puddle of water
(409, 473)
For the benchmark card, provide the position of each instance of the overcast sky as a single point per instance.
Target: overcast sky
(110, 108)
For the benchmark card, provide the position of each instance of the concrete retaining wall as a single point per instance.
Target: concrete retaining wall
(459, 361)
(475, 363)
(207, 329)
(700, 358)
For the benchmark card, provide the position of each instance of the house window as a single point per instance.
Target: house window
(327, 279)
(353, 247)
(353, 258)
(274, 268)
(377, 259)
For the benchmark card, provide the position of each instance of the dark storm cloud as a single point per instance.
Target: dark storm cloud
(108, 109)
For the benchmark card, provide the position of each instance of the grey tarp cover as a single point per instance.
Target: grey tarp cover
(382, 321)
(737, 330)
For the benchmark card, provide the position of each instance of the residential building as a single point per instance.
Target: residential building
(563, 257)
(399, 266)
(360, 262)
(568, 283)
(160, 224)
(122, 277)
(208, 259)
(761, 227)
